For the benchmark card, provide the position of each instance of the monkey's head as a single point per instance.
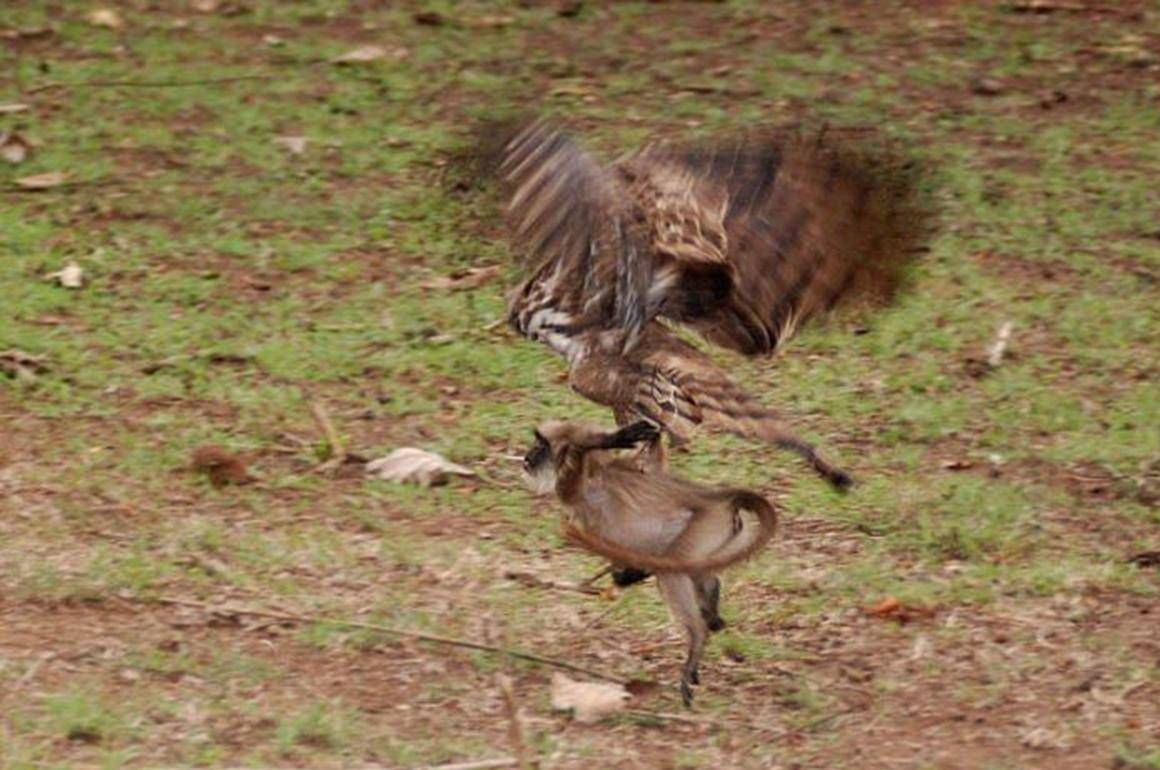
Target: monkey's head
(540, 461)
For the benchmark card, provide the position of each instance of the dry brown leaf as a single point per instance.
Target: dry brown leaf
(13, 107)
(891, 608)
(221, 466)
(106, 17)
(416, 466)
(295, 145)
(428, 18)
(13, 147)
(44, 181)
(71, 276)
(588, 701)
(470, 278)
(205, 6)
(569, 8)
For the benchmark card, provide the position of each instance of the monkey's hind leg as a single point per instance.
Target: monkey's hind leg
(709, 599)
(680, 594)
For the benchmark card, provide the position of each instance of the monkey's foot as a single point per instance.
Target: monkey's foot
(715, 624)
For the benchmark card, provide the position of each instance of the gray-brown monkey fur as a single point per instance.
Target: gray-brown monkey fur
(646, 518)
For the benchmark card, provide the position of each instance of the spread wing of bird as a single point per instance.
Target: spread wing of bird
(572, 219)
(742, 241)
(791, 225)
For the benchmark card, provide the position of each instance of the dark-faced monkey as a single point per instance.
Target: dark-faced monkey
(648, 519)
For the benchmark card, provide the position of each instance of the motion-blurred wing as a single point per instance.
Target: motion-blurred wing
(572, 219)
(758, 235)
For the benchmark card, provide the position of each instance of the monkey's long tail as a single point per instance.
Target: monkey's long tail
(742, 501)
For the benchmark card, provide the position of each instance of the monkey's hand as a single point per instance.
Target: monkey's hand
(631, 435)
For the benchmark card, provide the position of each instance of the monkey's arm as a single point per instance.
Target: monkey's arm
(639, 432)
(573, 468)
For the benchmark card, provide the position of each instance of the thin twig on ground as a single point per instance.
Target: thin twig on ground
(606, 611)
(433, 639)
(478, 764)
(607, 569)
(528, 579)
(145, 83)
(337, 449)
(515, 723)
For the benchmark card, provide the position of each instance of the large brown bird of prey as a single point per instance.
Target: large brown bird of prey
(742, 241)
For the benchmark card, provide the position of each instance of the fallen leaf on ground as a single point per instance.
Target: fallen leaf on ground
(28, 33)
(428, 18)
(1146, 559)
(370, 53)
(891, 608)
(639, 688)
(588, 701)
(13, 107)
(295, 145)
(1044, 6)
(106, 17)
(205, 6)
(489, 22)
(1043, 738)
(984, 86)
(220, 466)
(366, 53)
(71, 276)
(415, 466)
(13, 147)
(23, 366)
(44, 181)
(569, 8)
(471, 278)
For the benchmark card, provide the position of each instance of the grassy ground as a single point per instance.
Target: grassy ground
(231, 283)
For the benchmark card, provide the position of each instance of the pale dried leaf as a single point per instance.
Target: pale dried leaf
(415, 466)
(588, 701)
(999, 347)
(13, 107)
(13, 147)
(23, 366)
(71, 276)
(106, 17)
(205, 6)
(489, 22)
(370, 53)
(295, 145)
(44, 181)
(471, 278)
(1043, 738)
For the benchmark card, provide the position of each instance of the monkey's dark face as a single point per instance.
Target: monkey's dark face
(538, 465)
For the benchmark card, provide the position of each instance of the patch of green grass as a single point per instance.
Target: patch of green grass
(324, 726)
(86, 716)
(230, 284)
